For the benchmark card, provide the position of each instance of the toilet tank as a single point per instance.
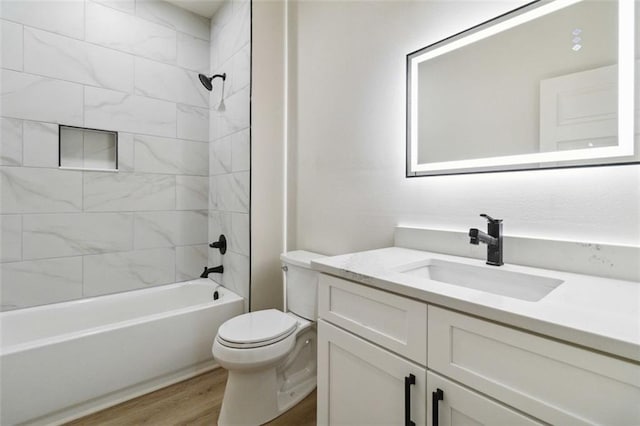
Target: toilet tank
(302, 283)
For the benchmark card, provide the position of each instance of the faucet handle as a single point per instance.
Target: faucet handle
(221, 244)
(490, 219)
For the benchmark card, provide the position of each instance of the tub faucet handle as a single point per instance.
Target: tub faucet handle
(221, 244)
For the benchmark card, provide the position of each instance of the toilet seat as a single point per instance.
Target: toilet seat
(256, 329)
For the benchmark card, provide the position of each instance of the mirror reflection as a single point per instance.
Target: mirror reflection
(545, 86)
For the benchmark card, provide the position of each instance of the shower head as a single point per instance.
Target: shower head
(207, 81)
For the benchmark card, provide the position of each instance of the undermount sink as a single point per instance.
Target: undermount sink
(490, 279)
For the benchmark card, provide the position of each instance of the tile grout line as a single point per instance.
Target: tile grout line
(84, 36)
(119, 131)
(111, 89)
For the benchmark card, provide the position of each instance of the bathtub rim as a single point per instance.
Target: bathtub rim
(227, 296)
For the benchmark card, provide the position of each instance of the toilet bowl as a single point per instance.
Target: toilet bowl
(270, 354)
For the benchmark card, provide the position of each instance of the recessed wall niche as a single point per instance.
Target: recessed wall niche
(87, 149)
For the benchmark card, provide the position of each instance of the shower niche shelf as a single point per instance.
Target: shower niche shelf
(87, 149)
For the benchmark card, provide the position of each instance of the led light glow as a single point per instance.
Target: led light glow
(626, 90)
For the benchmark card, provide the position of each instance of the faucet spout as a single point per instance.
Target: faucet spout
(477, 237)
(214, 270)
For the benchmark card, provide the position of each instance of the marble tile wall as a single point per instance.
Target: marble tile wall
(229, 147)
(124, 65)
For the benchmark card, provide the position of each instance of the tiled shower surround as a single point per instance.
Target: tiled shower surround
(129, 66)
(229, 148)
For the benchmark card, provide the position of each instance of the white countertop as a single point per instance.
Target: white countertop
(599, 313)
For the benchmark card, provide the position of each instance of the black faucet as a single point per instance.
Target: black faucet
(493, 240)
(214, 270)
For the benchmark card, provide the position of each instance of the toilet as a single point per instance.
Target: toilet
(270, 354)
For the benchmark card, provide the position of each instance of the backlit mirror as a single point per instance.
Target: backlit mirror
(551, 84)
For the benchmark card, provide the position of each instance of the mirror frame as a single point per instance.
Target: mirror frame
(537, 161)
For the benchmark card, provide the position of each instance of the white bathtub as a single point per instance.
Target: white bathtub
(61, 361)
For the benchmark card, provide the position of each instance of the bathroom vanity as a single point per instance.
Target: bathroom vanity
(423, 338)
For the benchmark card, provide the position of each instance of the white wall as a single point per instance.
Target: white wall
(128, 66)
(267, 153)
(348, 112)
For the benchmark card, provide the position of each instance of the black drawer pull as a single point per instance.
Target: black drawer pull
(408, 381)
(436, 396)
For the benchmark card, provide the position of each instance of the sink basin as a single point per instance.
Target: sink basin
(490, 279)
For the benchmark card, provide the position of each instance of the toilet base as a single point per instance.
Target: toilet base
(254, 397)
(249, 399)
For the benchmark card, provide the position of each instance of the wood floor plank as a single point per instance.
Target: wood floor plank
(193, 402)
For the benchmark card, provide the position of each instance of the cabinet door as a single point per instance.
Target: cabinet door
(460, 406)
(360, 383)
(558, 383)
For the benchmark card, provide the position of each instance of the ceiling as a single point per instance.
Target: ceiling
(204, 8)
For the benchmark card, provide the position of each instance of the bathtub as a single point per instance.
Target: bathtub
(65, 360)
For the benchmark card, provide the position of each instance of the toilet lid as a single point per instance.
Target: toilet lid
(257, 328)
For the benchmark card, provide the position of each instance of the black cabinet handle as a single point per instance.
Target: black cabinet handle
(436, 396)
(408, 381)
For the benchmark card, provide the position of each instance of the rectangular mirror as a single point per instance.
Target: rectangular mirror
(551, 84)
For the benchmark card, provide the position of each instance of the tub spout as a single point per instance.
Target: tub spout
(214, 270)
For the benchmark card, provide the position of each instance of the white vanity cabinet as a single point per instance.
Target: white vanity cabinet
(360, 383)
(369, 340)
(371, 357)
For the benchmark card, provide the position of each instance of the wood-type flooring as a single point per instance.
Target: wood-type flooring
(194, 402)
